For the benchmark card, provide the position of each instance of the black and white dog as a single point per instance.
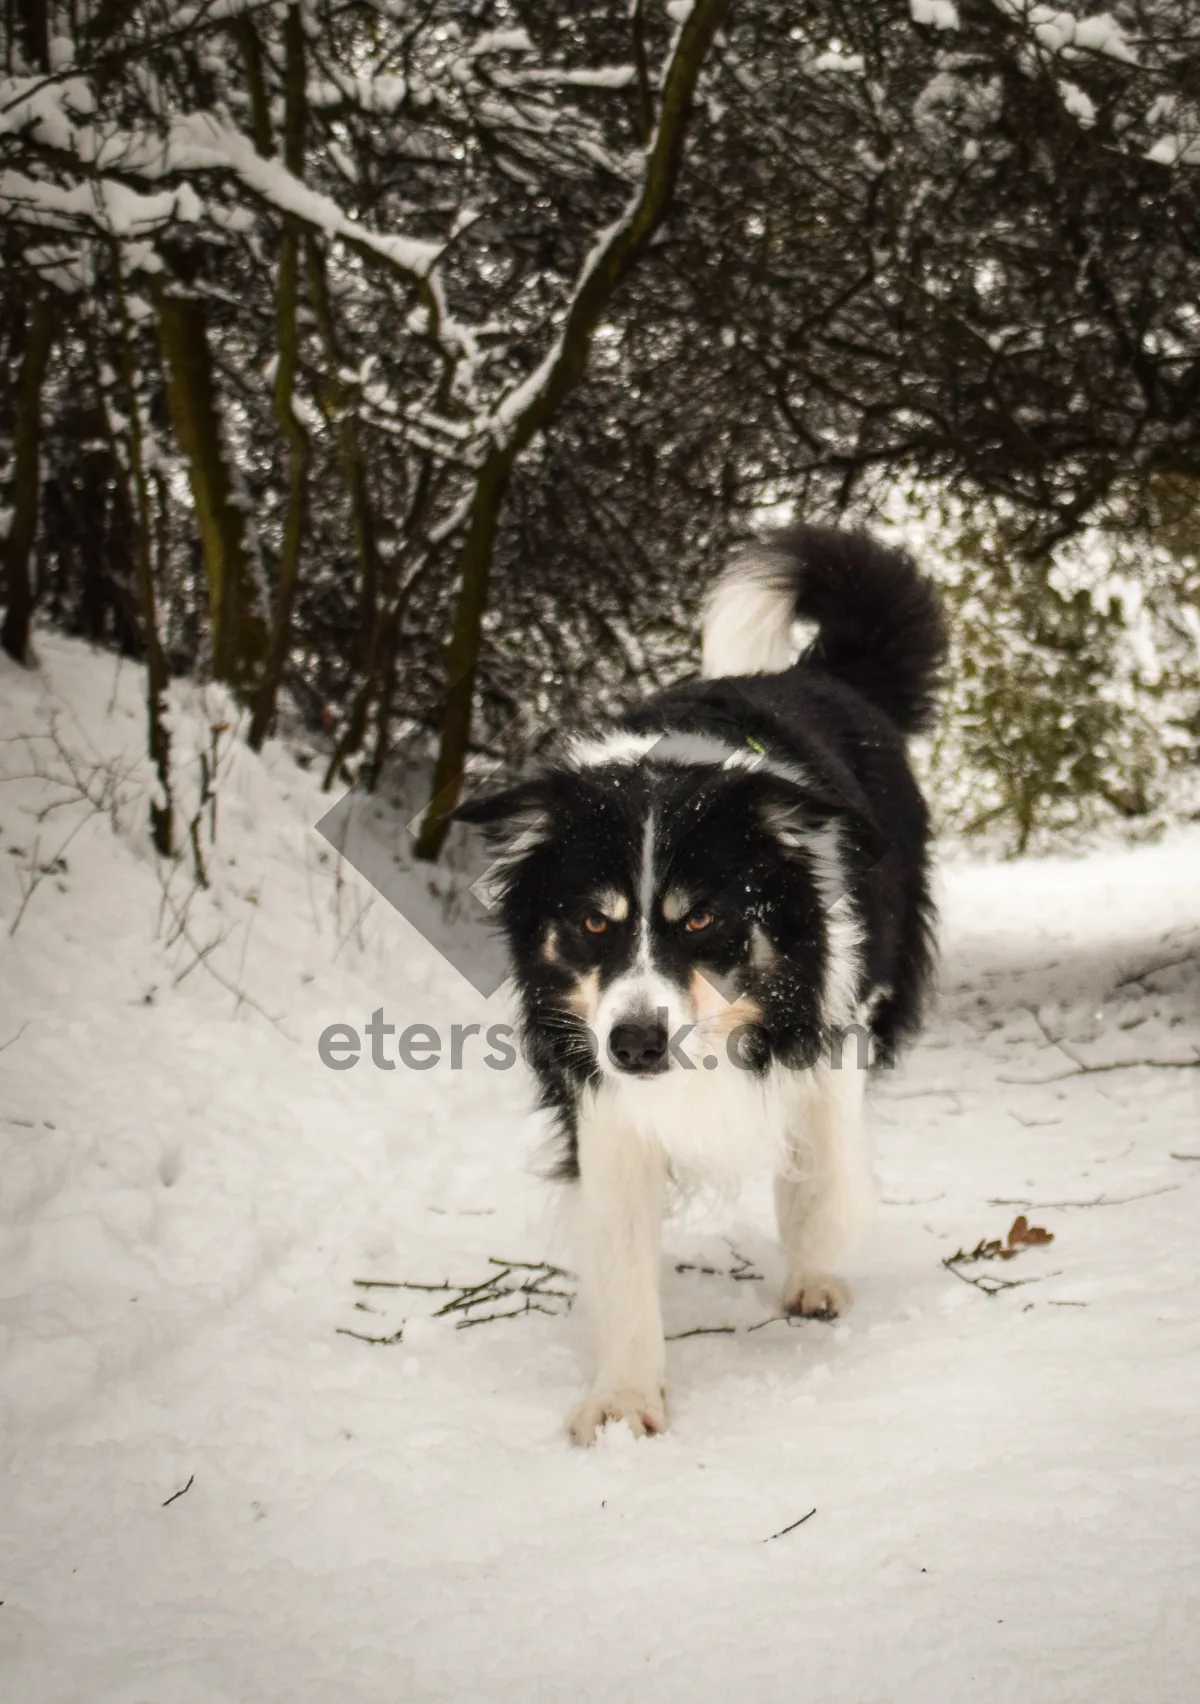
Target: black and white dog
(718, 914)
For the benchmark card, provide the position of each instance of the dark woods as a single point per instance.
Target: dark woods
(409, 364)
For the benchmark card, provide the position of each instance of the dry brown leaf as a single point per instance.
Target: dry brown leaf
(1021, 1235)
(1025, 1235)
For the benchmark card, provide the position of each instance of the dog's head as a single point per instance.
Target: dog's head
(665, 914)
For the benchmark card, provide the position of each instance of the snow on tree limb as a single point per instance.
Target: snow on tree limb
(532, 404)
(1060, 32)
(57, 117)
(526, 408)
(200, 142)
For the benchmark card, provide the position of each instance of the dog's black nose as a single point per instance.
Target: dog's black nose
(639, 1046)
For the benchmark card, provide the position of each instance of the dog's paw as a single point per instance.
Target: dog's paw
(815, 1295)
(644, 1414)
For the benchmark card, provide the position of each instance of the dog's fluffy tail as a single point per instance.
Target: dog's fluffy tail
(879, 621)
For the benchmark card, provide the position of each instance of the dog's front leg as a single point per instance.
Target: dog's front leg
(824, 1195)
(619, 1210)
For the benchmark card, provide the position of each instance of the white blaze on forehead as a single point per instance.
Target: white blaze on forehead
(646, 884)
(642, 991)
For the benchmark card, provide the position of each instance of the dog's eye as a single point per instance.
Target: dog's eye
(699, 920)
(595, 924)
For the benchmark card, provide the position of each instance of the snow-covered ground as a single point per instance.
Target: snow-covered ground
(1006, 1486)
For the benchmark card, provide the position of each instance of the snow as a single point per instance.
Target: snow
(383, 93)
(835, 60)
(196, 142)
(44, 108)
(1175, 151)
(938, 14)
(501, 41)
(1062, 32)
(600, 77)
(200, 141)
(1078, 103)
(118, 208)
(212, 1494)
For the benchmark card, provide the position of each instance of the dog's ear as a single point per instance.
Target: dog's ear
(796, 812)
(519, 817)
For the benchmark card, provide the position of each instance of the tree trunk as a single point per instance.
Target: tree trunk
(605, 270)
(338, 410)
(26, 478)
(380, 640)
(252, 62)
(382, 601)
(157, 727)
(234, 590)
(462, 654)
(288, 360)
(33, 30)
(389, 667)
